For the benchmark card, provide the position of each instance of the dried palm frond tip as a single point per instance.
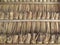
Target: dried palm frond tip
(29, 31)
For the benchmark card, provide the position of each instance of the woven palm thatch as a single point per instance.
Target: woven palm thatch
(29, 32)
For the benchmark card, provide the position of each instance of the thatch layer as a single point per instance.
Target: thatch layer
(29, 32)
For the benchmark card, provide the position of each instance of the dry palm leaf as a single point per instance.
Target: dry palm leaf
(33, 23)
(1, 24)
(15, 23)
(48, 0)
(19, 23)
(48, 30)
(16, 7)
(52, 40)
(20, 7)
(28, 38)
(27, 7)
(20, 16)
(15, 39)
(20, 0)
(9, 39)
(41, 0)
(23, 7)
(48, 6)
(41, 38)
(29, 17)
(6, 24)
(12, 7)
(6, 16)
(40, 7)
(20, 28)
(44, 6)
(52, 9)
(38, 24)
(5, 0)
(10, 25)
(0, 7)
(23, 38)
(53, 24)
(2, 38)
(32, 8)
(43, 24)
(58, 39)
(36, 7)
(33, 38)
(16, 0)
(24, 23)
(24, 27)
(8, 0)
(48, 23)
(47, 38)
(57, 28)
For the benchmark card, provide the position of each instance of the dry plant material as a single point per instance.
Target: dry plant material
(40, 7)
(12, 7)
(52, 9)
(22, 38)
(23, 7)
(0, 7)
(47, 39)
(8, 0)
(33, 38)
(6, 16)
(16, 7)
(58, 39)
(53, 23)
(38, 24)
(29, 32)
(33, 23)
(9, 39)
(5, 0)
(10, 25)
(2, 38)
(16, 0)
(29, 17)
(13, 0)
(44, 6)
(20, 17)
(20, 28)
(5, 27)
(48, 23)
(43, 24)
(52, 40)
(48, 6)
(57, 28)
(27, 7)
(24, 23)
(41, 38)
(1, 24)
(20, 7)
(28, 38)
(15, 38)
(41, 0)
(15, 16)
(36, 8)
(19, 23)
(32, 7)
